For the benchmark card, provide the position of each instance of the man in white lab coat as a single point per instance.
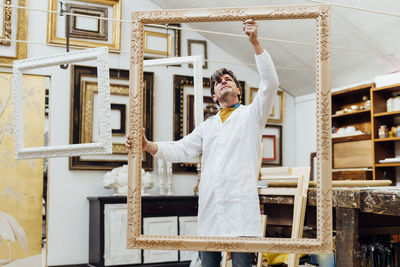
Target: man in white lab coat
(229, 145)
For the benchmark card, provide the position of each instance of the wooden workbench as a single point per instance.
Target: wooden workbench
(355, 211)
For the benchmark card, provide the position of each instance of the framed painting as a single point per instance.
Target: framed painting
(198, 47)
(161, 42)
(88, 27)
(272, 138)
(276, 115)
(183, 120)
(14, 27)
(102, 145)
(323, 241)
(84, 121)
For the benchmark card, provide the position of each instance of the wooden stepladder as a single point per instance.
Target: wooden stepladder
(299, 175)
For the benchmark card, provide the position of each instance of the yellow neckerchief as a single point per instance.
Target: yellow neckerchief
(224, 113)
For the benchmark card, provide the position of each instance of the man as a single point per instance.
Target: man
(229, 143)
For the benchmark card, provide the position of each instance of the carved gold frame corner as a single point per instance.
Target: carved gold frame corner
(323, 242)
(22, 33)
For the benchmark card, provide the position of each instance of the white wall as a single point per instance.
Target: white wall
(68, 214)
(306, 133)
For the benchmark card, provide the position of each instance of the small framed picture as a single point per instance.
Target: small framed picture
(272, 138)
(197, 47)
(160, 42)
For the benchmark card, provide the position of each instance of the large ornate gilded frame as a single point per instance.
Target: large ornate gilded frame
(323, 242)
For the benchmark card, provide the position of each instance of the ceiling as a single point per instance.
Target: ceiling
(363, 44)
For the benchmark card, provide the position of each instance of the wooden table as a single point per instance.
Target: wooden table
(356, 211)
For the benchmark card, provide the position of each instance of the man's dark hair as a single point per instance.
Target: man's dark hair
(216, 77)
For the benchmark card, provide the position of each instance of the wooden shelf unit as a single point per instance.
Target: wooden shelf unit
(384, 147)
(352, 152)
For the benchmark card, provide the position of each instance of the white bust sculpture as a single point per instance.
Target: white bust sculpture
(118, 179)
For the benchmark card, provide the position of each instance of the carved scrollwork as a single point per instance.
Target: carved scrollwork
(323, 243)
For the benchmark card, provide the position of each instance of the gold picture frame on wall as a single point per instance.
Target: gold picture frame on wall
(323, 241)
(56, 25)
(18, 30)
(7, 15)
(157, 35)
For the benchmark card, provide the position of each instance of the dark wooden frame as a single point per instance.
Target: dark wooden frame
(77, 73)
(122, 109)
(205, 56)
(180, 81)
(278, 146)
(101, 35)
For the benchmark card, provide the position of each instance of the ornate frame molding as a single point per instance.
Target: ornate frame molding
(323, 242)
(21, 32)
(105, 145)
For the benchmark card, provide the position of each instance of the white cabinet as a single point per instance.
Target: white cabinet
(188, 227)
(160, 226)
(115, 233)
(161, 214)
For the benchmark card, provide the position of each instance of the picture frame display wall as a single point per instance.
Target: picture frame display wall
(87, 28)
(84, 122)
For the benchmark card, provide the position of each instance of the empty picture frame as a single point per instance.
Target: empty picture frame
(323, 242)
(170, 35)
(198, 47)
(104, 145)
(157, 43)
(272, 138)
(92, 31)
(15, 26)
(84, 27)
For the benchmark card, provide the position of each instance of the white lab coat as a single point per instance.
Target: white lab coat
(228, 196)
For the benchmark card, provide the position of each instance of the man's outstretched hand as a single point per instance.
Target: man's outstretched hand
(147, 145)
(250, 28)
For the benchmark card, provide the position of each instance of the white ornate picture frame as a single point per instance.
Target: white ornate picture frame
(323, 241)
(104, 146)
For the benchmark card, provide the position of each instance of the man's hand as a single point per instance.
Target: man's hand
(250, 28)
(147, 145)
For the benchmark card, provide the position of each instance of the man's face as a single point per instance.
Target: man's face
(224, 87)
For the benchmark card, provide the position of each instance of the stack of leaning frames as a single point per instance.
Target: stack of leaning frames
(323, 242)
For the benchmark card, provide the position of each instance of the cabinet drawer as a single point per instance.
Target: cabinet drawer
(356, 154)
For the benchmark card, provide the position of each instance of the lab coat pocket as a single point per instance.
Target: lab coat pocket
(239, 187)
